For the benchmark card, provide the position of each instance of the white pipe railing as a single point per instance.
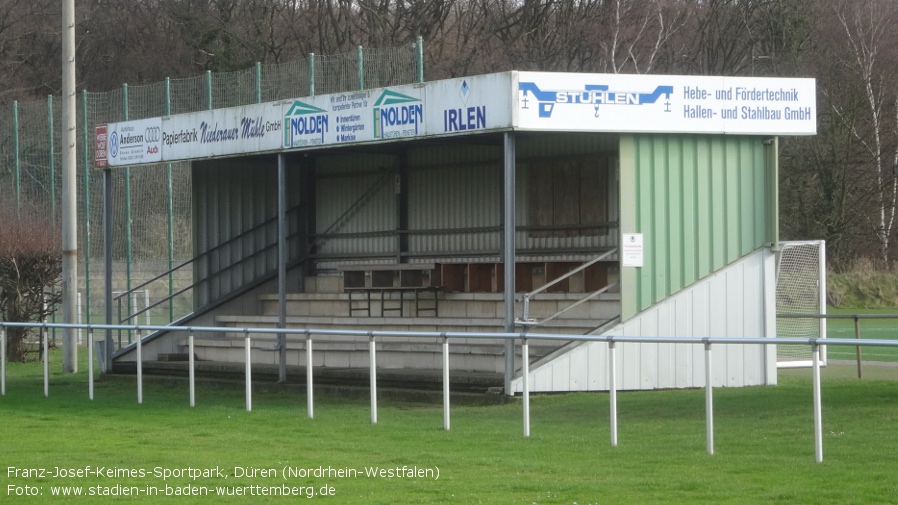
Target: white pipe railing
(90, 364)
(443, 338)
(709, 401)
(3, 362)
(191, 367)
(310, 408)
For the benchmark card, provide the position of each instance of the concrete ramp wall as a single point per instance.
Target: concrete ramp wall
(737, 301)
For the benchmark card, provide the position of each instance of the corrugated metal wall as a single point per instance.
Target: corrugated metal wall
(455, 187)
(231, 198)
(701, 202)
(454, 205)
(460, 186)
(355, 194)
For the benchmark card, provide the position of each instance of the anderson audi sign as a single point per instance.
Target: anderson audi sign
(532, 101)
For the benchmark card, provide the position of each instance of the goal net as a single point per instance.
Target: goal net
(800, 289)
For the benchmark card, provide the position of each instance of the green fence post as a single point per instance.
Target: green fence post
(171, 218)
(51, 163)
(258, 82)
(419, 47)
(311, 74)
(208, 89)
(361, 65)
(128, 250)
(86, 167)
(18, 164)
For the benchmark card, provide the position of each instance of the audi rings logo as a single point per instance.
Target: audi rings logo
(113, 144)
(152, 134)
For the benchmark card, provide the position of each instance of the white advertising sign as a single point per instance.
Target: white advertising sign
(666, 104)
(133, 142)
(469, 104)
(222, 132)
(502, 101)
(632, 250)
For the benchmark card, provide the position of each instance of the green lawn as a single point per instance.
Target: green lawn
(764, 442)
(870, 328)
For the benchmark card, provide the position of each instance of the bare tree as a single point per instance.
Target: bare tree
(870, 35)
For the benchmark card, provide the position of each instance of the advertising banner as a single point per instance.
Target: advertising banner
(132, 142)
(666, 104)
(531, 101)
(222, 132)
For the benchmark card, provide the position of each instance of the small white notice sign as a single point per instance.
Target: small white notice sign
(632, 250)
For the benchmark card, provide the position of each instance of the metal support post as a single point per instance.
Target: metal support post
(107, 264)
(857, 336)
(508, 252)
(311, 74)
(249, 374)
(3, 362)
(90, 363)
(46, 347)
(709, 401)
(525, 380)
(360, 58)
(282, 268)
(818, 414)
(373, 378)
(445, 383)
(310, 404)
(191, 367)
(139, 367)
(612, 390)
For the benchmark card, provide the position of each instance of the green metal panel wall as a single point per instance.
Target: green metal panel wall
(700, 201)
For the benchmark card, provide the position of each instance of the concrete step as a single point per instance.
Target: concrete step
(423, 386)
(453, 305)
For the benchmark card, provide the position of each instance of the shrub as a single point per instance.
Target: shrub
(30, 273)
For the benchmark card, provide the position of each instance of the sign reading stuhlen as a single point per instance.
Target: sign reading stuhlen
(666, 104)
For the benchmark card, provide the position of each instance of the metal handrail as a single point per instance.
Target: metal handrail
(531, 322)
(203, 254)
(118, 298)
(525, 298)
(443, 339)
(572, 272)
(857, 328)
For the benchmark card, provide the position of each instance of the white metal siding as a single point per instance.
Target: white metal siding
(731, 303)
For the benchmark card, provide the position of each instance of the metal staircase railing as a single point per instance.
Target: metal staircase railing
(527, 322)
(131, 317)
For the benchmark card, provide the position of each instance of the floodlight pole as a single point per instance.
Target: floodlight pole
(69, 208)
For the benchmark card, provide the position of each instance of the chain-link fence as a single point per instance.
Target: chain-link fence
(151, 205)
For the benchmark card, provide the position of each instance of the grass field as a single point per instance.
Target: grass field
(870, 328)
(764, 445)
